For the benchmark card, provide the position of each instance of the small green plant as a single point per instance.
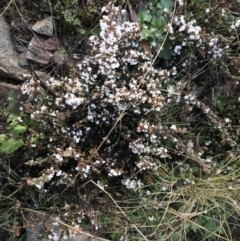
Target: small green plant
(154, 20)
(72, 19)
(14, 127)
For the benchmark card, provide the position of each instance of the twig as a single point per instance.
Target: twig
(6, 8)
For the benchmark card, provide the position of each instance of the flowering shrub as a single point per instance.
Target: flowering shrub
(160, 137)
(117, 86)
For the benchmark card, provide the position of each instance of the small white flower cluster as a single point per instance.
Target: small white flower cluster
(132, 183)
(236, 24)
(146, 162)
(193, 31)
(180, 2)
(214, 49)
(138, 147)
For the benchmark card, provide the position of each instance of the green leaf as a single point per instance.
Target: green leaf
(194, 228)
(18, 129)
(11, 118)
(12, 100)
(2, 138)
(166, 51)
(160, 6)
(158, 23)
(67, 2)
(167, 4)
(144, 17)
(220, 102)
(220, 106)
(11, 145)
(62, 50)
(81, 31)
(76, 22)
(147, 34)
(96, 31)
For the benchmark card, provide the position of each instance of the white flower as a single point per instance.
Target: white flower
(164, 189)
(174, 72)
(148, 192)
(86, 169)
(227, 120)
(59, 173)
(173, 127)
(20, 119)
(208, 160)
(177, 49)
(132, 184)
(38, 186)
(58, 157)
(180, 2)
(206, 110)
(43, 108)
(114, 173)
(151, 218)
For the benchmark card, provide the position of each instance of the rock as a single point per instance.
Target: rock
(20, 49)
(53, 43)
(44, 27)
(58, 57)
(37, 52)
(22, 60)
(8, 55)
(49, 227)
(43, 76)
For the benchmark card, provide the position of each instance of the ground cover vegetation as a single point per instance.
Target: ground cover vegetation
(140, 141)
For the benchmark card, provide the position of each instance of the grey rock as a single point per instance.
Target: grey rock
(8, 55)
(44, 27)
(37, 52)
(43, 76)
(58, 57)
(22, 60)
(20, 49)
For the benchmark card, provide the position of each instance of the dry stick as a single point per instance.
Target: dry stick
(11, 194)
(119, 209)
(64, 224)
(18, 10)
(6, 8)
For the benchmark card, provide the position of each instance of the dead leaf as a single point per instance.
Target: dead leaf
(133, 14)
(146, 46)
